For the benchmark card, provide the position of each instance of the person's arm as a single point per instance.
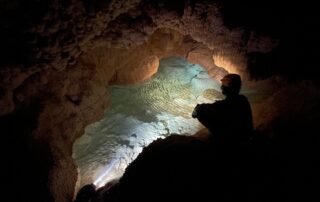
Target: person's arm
(204, 114)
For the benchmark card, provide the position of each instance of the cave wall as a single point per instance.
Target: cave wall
(58, 58)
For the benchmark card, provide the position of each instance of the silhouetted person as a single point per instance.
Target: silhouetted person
(228, 120)
(86, 193)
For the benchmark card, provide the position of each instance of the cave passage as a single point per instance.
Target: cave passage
(140, 114)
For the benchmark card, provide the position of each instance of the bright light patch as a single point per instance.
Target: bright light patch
(140, 114)
(102, 179)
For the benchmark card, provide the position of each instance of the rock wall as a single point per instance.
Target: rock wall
(58, 58)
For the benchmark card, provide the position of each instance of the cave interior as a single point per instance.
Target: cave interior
(102, 92)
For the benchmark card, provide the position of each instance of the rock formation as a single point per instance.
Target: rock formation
(58, 57)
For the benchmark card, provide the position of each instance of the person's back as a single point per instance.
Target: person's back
(236, 118)
(228, 120)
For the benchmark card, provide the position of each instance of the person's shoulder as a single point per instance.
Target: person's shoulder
(209, 105)
(204, 105)
(218, 104)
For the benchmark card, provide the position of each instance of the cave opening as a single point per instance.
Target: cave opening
(140, 114)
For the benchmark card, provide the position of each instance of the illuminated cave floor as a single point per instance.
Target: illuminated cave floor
(139, 114)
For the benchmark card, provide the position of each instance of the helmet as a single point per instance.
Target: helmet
(232, 82)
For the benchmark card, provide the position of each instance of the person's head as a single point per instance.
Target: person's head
(231, 84)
